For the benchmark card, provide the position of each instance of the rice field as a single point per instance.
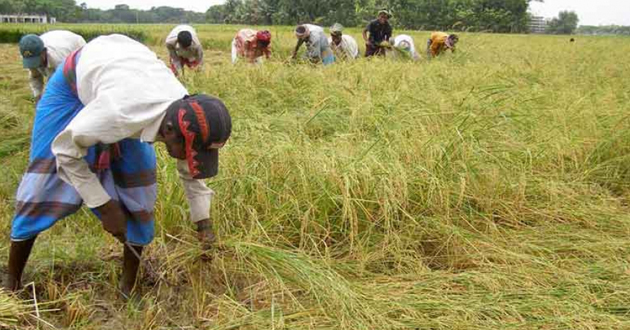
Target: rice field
(486, 189)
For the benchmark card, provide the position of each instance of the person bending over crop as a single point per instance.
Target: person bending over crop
(342, 45)
(379, 31)
(41, 55)
(404, 44)
(252, 45)
(440, 42)
(184, 48)
(317, 47)
(91, 145)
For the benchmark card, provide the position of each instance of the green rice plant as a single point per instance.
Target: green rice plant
(480, 190)
(12, 33)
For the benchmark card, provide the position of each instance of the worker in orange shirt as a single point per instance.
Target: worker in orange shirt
(440, 42)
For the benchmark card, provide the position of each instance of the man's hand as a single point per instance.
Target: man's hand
(114, 220)
(205, 234)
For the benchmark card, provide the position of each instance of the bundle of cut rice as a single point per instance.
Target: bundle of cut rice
(11, 310)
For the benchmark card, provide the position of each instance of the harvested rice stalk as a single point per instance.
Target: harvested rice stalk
(11, 310)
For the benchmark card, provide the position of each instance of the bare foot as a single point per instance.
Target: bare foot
(206, 237)
(129, 293)
(9, 284)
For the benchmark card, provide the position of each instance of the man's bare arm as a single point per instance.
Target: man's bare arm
(297, 47)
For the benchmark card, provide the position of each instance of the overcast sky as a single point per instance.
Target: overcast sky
(591, 12)
(196, 5)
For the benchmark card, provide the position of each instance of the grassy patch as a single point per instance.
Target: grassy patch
(483, 190)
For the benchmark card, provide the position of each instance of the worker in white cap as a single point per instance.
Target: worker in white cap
(343, 46)
(42, 54)
(317, 47)
(404, 45)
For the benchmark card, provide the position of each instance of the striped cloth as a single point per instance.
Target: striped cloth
(126, 170)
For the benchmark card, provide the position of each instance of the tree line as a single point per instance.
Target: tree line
(505, 16)
(470, 15)
(69, 12)
(604, 30)
(565, 23)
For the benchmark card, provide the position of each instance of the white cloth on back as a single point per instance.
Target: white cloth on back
(348, 47)
(317, 42)
(59, 44)
(401, 40)
(192, 53)
(126, 90)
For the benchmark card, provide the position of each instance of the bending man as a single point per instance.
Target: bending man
(41, 55)
(317, 47)
(184, 48)
(91, 145)
(441, 42)
(252, 45)
(404, 44)
(342, 45)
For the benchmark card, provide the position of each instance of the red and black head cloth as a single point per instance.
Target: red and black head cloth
(205, 124)
(264, 37)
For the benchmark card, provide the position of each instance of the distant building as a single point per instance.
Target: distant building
(27, 18)
(538, 24)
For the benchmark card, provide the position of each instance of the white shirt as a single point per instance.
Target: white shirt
(126, 90)
(59, 44)
(404, 41)
(317, 43)
(348, 47)
(194, 53)
(314, 28)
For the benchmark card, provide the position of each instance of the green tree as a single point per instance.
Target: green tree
(607, 29)
(565, 23)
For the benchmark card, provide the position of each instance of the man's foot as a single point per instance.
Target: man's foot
(205, 234)
(8, 284)
(129, 293)
(206, 237)
(11, 285)
(18, 255)
(131, 263)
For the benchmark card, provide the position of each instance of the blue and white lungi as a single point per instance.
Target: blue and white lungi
(125, 169)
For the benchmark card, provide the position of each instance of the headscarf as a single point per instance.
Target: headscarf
(336, 29)
(264, 36)
(384, 11)
(302, 31)
(451, 40)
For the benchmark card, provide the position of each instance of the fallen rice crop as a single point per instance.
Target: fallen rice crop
(483, 190)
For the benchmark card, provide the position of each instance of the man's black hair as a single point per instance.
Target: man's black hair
(184, 39)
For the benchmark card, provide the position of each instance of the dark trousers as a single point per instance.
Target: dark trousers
(371, 50)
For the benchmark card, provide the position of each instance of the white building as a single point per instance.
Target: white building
(27, 18)
(538, 24)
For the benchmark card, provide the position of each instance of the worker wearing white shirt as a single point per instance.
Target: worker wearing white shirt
(42, 54)
(317, 47)
(184, 48)
(343, 46)
(404, 43)
(94, 125)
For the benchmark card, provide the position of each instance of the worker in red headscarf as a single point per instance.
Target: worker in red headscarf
(252, 45)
